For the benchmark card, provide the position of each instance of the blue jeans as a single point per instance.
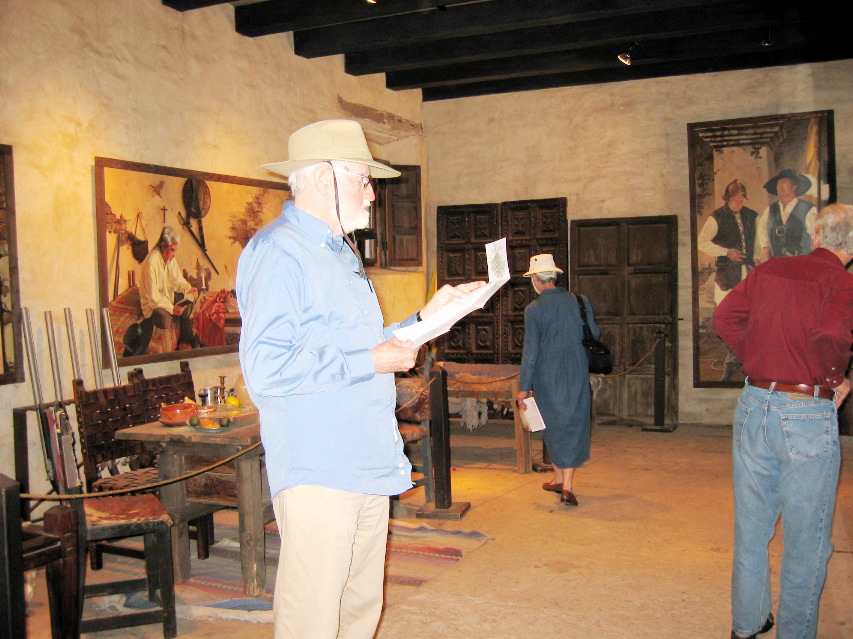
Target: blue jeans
(786, 459)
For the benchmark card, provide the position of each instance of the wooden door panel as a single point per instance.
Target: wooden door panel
(604, 292)
(643, 298)
(639, 399)
(645, 247)
(606, 406)
(594, 245)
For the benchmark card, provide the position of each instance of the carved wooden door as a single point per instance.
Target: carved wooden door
(495, 333)
(627, 267)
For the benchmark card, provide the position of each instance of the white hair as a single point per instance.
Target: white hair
(546, 276)
(300, 179)
(834, 228)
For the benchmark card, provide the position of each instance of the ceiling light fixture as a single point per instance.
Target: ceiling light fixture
(625, 58)
(766, 41)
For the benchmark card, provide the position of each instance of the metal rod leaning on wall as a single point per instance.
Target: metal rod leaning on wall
(54, 355)
(107, 328)
(35, 382)
(93, 343)
(72, 345)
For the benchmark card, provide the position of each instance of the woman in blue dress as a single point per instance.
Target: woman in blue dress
(555, 367)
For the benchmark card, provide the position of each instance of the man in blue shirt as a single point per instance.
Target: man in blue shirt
(319, 366)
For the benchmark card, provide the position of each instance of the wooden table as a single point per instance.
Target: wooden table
(245, 487)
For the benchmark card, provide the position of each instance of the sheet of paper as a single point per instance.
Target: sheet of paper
(441, 322)
(531, 417)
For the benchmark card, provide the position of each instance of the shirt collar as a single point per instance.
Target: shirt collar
(317, 230)
(826, 255)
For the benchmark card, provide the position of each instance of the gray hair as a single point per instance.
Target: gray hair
(300, 179)
(834, 228)
(546, 276)
(168, 236)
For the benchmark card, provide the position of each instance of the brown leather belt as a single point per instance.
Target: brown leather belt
(802, 389)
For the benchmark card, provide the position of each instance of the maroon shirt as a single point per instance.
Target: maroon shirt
(791, 319)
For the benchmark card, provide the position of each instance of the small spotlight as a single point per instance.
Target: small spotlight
(766, 41)
(625, 58)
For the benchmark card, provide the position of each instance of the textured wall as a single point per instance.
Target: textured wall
(134, 80)
(620, 150)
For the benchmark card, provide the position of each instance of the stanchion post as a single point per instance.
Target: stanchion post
(660, 386)
(440, 443)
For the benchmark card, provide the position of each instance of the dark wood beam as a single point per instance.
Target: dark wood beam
(831, 51)
(467, 20)
(740, 42)
(276, 16)
(573, 36)
(189, 5)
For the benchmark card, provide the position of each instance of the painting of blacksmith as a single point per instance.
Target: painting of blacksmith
(168, 243)
(755, 186)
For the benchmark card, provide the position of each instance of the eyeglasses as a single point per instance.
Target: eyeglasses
(365, 179)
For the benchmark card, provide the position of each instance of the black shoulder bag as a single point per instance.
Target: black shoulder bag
(597, 353)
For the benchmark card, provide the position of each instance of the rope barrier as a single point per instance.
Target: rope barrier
(206, 469)
(137, 489)
(642, 359)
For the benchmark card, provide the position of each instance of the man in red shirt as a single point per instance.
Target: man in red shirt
(790, 323)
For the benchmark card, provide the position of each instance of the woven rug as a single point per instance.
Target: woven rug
(416, 554)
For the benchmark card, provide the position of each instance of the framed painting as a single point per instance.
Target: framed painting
(755, 186)
(168, 244)
(11, 346)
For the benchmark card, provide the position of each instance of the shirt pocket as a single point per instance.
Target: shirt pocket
(809, 435)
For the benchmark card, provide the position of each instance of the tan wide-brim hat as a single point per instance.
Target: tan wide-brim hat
(542, 263)
(341, 140)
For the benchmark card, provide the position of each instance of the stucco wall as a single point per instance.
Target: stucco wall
(620, 150)
(134, 80)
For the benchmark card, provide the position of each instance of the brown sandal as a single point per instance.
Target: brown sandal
(557, 488)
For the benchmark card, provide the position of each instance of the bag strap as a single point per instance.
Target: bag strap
(587, 332)
(137, 224)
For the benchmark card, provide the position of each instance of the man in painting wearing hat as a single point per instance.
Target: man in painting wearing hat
(729, 236)
(785, 227)
(790, 323)
(320, 368)
(554, 365)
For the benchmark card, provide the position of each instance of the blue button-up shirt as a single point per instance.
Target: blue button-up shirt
(308, 324)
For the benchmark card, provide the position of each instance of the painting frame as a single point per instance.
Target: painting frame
(11, 339)
(213, 215)
(748, 157)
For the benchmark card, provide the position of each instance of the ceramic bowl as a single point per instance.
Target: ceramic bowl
(177, 414)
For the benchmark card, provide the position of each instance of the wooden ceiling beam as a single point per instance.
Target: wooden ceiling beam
(704, 47)
(189, 5)
(277, 16)
(813, 54)
(573, 36)
(468, 20)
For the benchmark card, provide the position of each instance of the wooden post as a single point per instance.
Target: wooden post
(440, 445)
(660, 387)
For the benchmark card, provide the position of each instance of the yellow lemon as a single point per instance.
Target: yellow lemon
(233, 401)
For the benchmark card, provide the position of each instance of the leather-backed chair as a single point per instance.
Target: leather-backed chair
(112, 518)
(25, 547)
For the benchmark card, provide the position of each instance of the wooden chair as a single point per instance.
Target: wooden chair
(114, 518)
(27, 547)
(100, 413)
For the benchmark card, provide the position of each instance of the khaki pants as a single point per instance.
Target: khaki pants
(332, 562)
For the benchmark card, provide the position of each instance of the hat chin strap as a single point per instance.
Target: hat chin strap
(347, 238)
